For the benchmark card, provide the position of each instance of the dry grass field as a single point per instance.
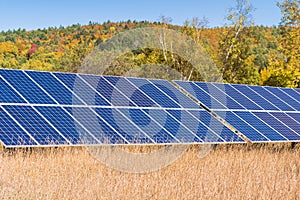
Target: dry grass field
(228, 172)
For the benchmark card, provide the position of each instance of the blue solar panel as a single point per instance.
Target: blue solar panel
(154, 93)
(246, 129)
(63, 123)
(292, 92)
(278, 126)
(26, 87)
(153, 127)
(201, 95)
(238, 97)
(96, 126)
(134, 94)
(288, 121)
(261, 126)
(284, 97)
(124, 127)
(174, 94)
(11, 134)
(67, 78)
(96, 110)
(259, 100)
(84, 91)
(59, 92)
(219, 93)
(295, 116)
(272, 98)
(8, 95)
(200, 130)
(222, 131)
(107, 90)
(39, 129)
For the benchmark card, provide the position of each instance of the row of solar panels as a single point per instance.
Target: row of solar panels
(43, 108)
(55, 125)
(33, 87)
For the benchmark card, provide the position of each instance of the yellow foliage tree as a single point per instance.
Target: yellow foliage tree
(284, 69)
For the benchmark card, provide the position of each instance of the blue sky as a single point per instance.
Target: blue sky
(33, 14)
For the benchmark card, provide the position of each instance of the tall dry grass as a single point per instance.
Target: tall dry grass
(228, 172)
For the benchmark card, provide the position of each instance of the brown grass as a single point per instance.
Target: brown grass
(228, 172)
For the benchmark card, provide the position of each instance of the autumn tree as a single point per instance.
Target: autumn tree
(284, 69)
(237, 62)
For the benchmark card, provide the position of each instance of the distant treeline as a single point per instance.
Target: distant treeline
(243, 54)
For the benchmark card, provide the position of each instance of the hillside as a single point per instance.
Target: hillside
(64, 48)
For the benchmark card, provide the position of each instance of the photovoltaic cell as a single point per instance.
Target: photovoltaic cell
(222, 131)
(144, 120)
(154, 93)
(249, 131)
(236, 96)
(26, 87)
(288, 121)
(278, 126)
(96, 126)
(107, 90)
(200, 94)
(255, 97)
(174, 94)
(39, 129)
(58, 91)
(295, 116)
(260, 125)
(123, 126)
(81, 89)
(11, 134)
(272, 98)
(198, 128)
(63, 123)
(294, 104)
(292, 92)
(220, 94)
(136, 95)
(8, 95)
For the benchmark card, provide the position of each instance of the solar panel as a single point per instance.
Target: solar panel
(7, 95)
(261, 114)
(26, 87)
(39, 129)
(59, 92)
(11, 133)
(107, 90)
(52, 109)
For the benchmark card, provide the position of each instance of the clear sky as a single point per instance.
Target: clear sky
(34, 14)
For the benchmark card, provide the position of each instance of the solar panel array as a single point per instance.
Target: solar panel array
(51, 109)
(262, 114)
